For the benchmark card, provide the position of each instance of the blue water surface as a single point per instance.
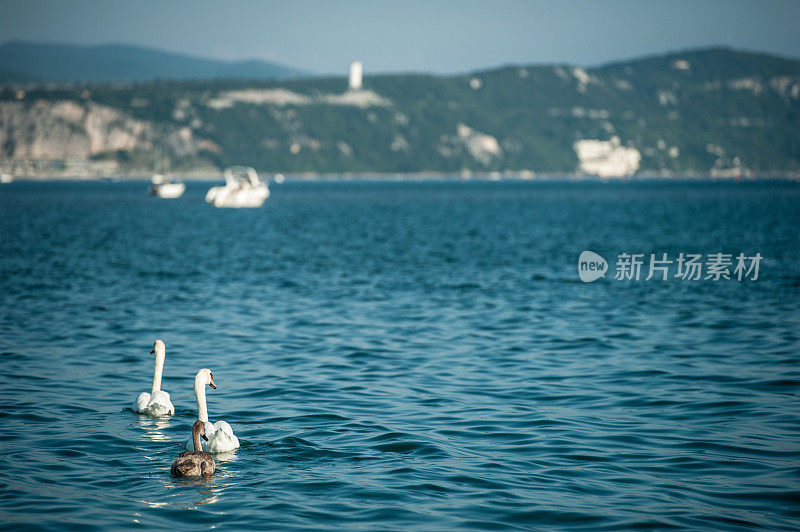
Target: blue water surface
(402, 356)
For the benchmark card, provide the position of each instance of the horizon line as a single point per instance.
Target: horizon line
(305, 72)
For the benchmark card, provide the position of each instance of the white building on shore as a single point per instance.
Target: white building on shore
(607, 158)
(356, 69)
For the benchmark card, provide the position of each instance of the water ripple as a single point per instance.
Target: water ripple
(401, 357)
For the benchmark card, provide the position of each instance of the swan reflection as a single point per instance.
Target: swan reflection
(154, 428)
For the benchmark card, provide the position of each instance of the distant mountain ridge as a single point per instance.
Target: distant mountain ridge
(22, 61)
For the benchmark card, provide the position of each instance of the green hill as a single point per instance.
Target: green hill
(692, 111)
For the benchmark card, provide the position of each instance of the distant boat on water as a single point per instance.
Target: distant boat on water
(161, 185)
(165, 188)
(243, 189)
(6, 178)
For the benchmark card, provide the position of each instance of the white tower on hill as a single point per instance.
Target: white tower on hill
(355, 75)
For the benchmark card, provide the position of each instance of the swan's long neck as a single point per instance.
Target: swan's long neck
(158, 372)
(198, 444)
(200, 393)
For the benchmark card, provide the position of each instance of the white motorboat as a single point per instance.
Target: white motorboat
(243, 189)
(166, 188)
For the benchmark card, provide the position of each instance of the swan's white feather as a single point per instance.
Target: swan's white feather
(157, 405)
(221, 438)
(141, 402)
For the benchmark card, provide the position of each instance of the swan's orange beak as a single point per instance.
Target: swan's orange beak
(212, 383)
(152, 351)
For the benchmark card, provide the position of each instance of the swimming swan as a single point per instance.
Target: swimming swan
(156, 403)
(220, 437)
(197, 463)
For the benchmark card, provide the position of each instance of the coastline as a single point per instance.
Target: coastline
(206, 175)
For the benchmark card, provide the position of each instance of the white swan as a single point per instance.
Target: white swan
(219, 436)
(156, 403)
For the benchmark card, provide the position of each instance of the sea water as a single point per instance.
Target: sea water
(402, 356)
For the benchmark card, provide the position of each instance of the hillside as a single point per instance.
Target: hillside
(60, 62)
(705, 111)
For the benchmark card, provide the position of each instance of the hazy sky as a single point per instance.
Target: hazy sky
(417, 35)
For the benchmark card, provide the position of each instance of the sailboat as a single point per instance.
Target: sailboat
(161, 185)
